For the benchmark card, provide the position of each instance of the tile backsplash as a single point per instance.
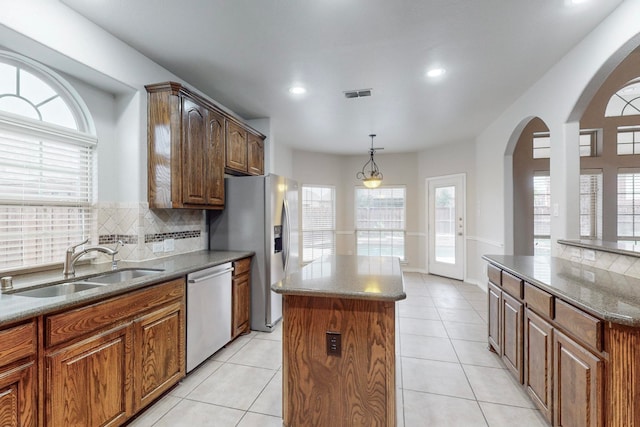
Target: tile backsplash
(141, 229)
(617, 263)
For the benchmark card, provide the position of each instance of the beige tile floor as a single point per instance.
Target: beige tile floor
(446, 375)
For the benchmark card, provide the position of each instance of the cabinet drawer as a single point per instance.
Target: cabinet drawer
(241, 266)
(512, 284)
(77, 322)
(581, 325)
(17, 342)
(494, 274)
(539, 300)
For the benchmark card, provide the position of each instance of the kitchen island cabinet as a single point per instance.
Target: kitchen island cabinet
(581, 347)
(339, 342)
(241, 297)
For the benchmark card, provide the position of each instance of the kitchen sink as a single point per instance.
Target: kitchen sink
(78, 285)
(122, 275)
(57, 290)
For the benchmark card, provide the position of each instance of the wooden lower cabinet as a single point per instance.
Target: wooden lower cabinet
(512, 342)
(241, 297)
(159, 359)
(18, 375)
(18, 396)
(88, 383)
(107, 360)
(495, 329)
(538, 369)
(577, 384)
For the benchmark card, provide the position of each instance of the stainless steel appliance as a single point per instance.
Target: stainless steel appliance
(260, 215)
(208, 312)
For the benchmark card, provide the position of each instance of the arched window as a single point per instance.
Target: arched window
(47, 165)
(626, 101)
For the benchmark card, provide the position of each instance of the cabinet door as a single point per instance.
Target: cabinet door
(215, 163)
(89, 383)
(159, 352)
(512, 343)
(18, 396)
(255, 155)
(495, 322)
(236, 150)
(578, 384)
(195, 156)
(538, 373)
(241, 305)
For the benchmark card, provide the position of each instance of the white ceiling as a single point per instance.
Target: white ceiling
(246, 54)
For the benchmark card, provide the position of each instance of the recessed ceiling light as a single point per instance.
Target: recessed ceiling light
(297, 90)
(436, 72)
(577, 1)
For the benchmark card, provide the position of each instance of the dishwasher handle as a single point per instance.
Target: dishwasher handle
(211, 276)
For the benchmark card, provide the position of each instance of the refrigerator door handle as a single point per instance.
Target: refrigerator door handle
(285, 235)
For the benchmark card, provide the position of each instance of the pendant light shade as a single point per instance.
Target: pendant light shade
(370, 175)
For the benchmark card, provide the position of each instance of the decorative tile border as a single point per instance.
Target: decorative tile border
(127, 239)
(159, 237)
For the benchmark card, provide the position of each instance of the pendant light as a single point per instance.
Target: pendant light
(370, 175)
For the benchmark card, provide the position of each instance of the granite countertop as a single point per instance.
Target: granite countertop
(14, 307)
(620, 248)
(347, 276)
(607, 295)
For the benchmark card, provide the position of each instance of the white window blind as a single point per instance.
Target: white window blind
(46, 192)
(591, 204)
(629, 205)
(542, 214)
(380, 221)
(318, 222)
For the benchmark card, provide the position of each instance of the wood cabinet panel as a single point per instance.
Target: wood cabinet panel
(159, 357)
(18, 400)
(354, 389)
(538, 372)
(512, 342)
(74, 323)
(87, 382)
(581, 325)
(241, 297)
(539, 300)
(577, 384)
(512, 284)
(236, 149)
(495, 275)
(215, 159)
(495, 320)
(18, 342)
(255, 155)
(195, 158)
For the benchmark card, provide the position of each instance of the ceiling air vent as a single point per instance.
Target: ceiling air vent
(359, 93)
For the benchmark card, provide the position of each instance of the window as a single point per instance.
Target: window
(628, 140)
(629, 205)
(46, 165)
(542, 214)
(591, 204)
(625, 102)
(380, 221)
(542, 144)
(318, 222)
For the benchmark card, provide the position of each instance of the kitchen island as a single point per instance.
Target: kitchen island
(570, 334)
(339, 342)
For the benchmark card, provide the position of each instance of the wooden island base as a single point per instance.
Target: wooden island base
(355, 388)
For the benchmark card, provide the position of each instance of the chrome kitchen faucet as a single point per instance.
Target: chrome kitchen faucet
(71, 256)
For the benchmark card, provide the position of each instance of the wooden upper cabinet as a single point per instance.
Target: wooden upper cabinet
(236, 153)
(195, 154)
(255, 155)
(215, 169)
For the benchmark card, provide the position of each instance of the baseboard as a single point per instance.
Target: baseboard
(414, 270)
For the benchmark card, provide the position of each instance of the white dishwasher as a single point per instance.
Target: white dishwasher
(208, 312)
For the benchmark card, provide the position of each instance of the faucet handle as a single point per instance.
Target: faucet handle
(72, 248)
(118, 244)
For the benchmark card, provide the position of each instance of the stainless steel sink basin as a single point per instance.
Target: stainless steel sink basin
(122, 275)
(57, 290)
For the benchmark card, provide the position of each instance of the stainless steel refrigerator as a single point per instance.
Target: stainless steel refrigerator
(260, 215)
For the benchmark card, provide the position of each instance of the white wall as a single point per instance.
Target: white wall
(558, 98)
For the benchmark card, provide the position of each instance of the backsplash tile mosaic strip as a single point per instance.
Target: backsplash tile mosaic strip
(159, 237)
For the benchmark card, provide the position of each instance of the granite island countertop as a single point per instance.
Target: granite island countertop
(347, 276)
(611, 296)
(14, 307)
